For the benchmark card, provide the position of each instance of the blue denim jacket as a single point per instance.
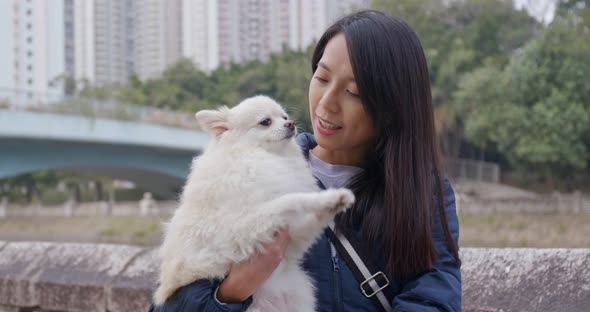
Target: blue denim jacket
(336, 287)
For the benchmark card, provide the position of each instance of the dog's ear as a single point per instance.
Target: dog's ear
(213, 121)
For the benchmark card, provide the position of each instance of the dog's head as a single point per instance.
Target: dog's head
(257, 121)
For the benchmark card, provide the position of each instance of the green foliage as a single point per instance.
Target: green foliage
(30, 183)
(459, 37)
(580, 9)
(103, 92)
(292, 74)
(550, 134)
(134, 93)
(506, 83)
(549, 86)
(500, 80)
(184, 87)
(537, 109)
(480, 104)
(53, 197)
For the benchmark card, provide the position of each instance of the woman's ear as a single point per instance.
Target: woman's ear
(213, 121)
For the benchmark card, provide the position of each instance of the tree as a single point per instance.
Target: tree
(480, 102)
(188, 77)
(292, 74)
(458, 37)
(537, 110)
(578, 8)
(32, 183)
(134, 92)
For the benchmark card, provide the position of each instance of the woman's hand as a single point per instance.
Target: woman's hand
(246, 276)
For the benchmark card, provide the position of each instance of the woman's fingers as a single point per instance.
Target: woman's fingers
(276, 249)
(246, 276)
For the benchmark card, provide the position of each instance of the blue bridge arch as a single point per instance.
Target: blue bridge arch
(155, 157)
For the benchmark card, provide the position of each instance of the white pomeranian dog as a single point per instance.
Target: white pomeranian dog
(251, 180)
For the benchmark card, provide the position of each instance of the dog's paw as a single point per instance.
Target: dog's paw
(338, 200)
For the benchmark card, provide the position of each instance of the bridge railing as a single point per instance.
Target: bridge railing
(26, 100)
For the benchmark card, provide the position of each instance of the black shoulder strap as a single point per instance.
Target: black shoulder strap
(372, 281)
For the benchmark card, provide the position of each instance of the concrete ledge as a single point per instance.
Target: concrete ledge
(525, 279)
(62, 277)
(100, 277)
(132, 289)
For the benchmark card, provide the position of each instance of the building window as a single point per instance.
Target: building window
(29, 67)
(30, 81)
(29, 11)
(29, 26)
(29, 40)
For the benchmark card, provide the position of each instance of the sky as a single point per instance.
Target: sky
(542, 10)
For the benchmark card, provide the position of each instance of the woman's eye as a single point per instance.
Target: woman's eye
(352, 93)
(320, 79)
(266, 122)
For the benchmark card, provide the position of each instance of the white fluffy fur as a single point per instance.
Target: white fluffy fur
(250, 181)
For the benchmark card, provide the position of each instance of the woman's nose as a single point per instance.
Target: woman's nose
(329, 102)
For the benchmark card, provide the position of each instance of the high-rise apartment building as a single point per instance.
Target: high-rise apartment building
(251, 29)
(338, 8)
(200, 39)
(279, 25)
(114, 40)
(157, 36)
(79, 41)
(106, 41)
(173, 31)
(254, 29)
(32, 57)
(309, 18)
(307, 21)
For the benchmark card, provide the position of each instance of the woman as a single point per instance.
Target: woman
(372, 117)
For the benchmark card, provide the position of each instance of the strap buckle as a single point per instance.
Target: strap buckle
(374, 279)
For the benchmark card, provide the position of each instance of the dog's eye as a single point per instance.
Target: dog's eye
(266, 122)
(285, 117)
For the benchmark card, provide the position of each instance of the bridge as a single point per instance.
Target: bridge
(155, 157)
(149, 146)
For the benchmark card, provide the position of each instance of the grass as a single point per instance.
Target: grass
(477, 230)
(130, 226)
(524, 230)
(134, 230)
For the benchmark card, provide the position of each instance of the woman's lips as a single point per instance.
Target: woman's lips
(326, 127)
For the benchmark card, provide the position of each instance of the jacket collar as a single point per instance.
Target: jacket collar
(306, 141)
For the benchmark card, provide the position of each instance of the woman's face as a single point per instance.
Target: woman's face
(343, 129)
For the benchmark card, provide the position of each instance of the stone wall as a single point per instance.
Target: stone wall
(526, 279)
(100, 277)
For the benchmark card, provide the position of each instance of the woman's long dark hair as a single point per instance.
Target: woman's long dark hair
(396, 192)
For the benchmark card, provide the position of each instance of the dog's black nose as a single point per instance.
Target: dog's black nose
(290, 124)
